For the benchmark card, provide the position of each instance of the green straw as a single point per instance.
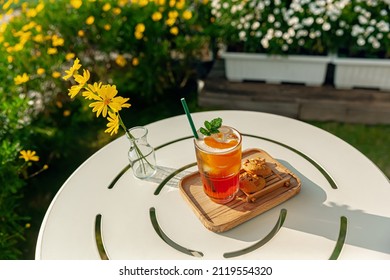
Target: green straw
(183, 102)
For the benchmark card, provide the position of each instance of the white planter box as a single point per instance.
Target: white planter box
(309, 70)
(362, 73)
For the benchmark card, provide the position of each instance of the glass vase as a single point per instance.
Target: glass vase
(141, 155)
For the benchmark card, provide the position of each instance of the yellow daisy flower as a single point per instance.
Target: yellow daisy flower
(135, 61)
(52, 51)
(138, 35)
(107, 100)
(174, 30)
(76, 3)
(116, 11)
(74, 90)
(72, 70)
(113, 123)
(106, 7)
(20, 79)
(90, 20)
(56, 74)
(156, 16)
(140, 27)
(121, 60)
(29, 155)
(187, 15)
(90, 92)
(57, 41)
(82, 80)
(69, 56)
(40, 71)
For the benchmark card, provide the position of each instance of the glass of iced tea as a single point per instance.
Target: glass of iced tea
(219, 163)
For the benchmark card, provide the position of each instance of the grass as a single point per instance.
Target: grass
(371, 140)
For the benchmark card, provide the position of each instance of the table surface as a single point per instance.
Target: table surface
(103, 211)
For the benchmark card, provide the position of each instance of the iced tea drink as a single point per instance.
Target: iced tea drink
(219, 163)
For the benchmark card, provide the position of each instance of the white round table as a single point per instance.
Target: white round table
(103, 211)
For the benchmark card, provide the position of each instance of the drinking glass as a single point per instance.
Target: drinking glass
(219, 163)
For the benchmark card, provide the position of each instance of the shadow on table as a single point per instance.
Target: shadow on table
(308, 213)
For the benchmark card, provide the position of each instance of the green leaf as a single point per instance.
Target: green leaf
(211, 127)
(204, 131)
(216, 123)
(208, 125)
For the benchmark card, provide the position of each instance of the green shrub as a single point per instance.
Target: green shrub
(149, 49)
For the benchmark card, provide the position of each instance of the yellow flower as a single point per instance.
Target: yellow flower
(40, 71)
(122, 2)
(106, 7)
(76, 3)
(29, 155)
(116, 11)
(80, 33)
(82, 80)
(138, 35)
(173, 14)
(174, 30)
(38, 38)
(7, 4)
(187, 15)
(90, 20)
(180, 4)
(52, 51)
(107, 98)
(113, 123)
(74, 90)
(66, 113)
(90, 92)
(143, 3)
(140, 27)
(72, 70)
(69, 56)
(56, 74)
(10, 59)
(135, 61)
(156, 16)
(31, 13)
(57, 41)
(170, 21)
(121, 60)
(107, 27)
(20, 79)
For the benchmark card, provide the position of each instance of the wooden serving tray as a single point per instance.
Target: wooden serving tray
(281, 185)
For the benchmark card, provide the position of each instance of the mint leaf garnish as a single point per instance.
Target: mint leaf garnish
(211, 127)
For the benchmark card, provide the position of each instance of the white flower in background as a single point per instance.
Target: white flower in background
(281, 26)
(326, 26)
(339, 32)
(376, 44)
(362, 20)
(255, 25)
(356, 30)
(361, 41)
(242, 35)
(308, 21)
